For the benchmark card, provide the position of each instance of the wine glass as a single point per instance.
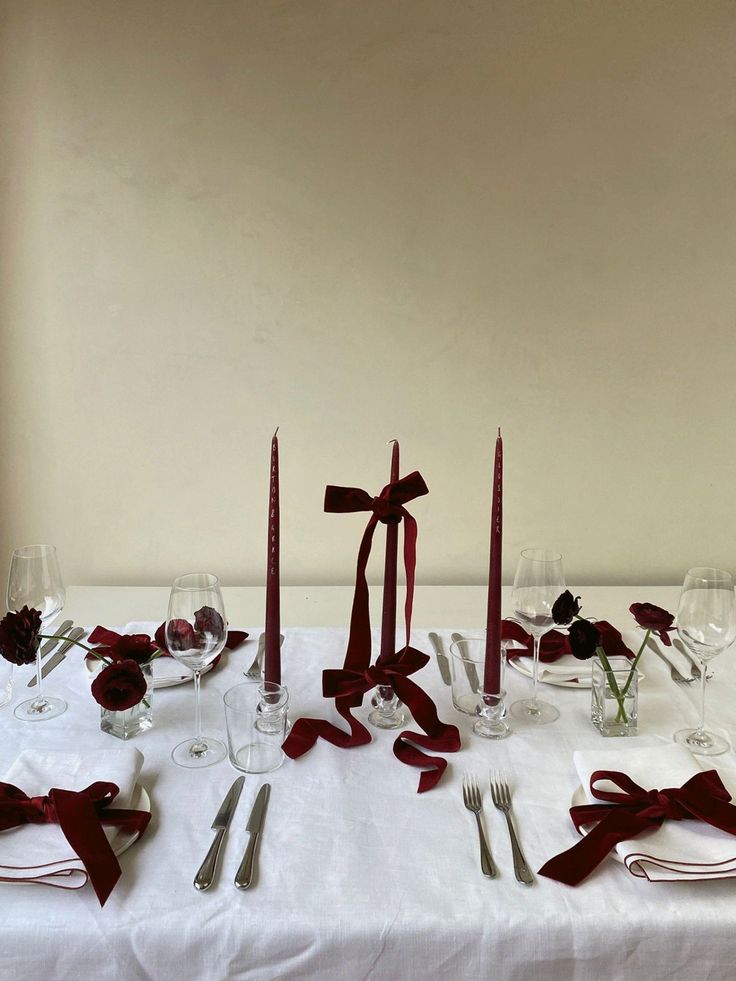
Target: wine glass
(538, 582)
(196, 631)
(35, 581)
(706, 624)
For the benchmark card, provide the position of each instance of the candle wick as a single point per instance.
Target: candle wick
(277, 429)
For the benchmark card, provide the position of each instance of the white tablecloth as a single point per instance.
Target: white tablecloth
(359, 876)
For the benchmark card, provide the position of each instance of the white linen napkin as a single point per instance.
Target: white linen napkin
(39, 852)
(678, 850)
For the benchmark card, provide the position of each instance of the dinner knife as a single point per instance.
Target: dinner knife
(205, 875)
(444, 666)
(469, 667)
(48, 647)
(56, 660)
(244, 875)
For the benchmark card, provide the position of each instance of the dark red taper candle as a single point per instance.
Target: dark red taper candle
(388, 621)
(272, 651)
(492, 669)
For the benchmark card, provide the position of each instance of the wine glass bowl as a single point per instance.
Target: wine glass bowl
(538, 583)
(196, 632)
(706, 624)
(35, 581)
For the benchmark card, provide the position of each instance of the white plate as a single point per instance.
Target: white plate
(167, 682)
(140, 801)
(577, 800)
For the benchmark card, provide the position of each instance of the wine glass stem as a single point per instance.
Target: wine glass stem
(197, 713)
(39, 696)
(703, 673)
(535, 665)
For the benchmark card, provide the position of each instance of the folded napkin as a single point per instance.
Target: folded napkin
(678, 849)
(565, 668)
(40, 853)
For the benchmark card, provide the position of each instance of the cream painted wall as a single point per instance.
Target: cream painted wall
(360, 219)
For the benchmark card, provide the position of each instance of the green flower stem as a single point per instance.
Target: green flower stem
(618, 695)
(636, 661)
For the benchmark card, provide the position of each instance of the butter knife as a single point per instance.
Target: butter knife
(442, 662)
(48, 647)
(205, 875)
(244, 875)
(469, 667)
(56, 660)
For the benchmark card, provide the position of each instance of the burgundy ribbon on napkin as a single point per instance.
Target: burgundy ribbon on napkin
(357, 677)
(101, 635)
(555, 643)
(80, 815)
(701, 798)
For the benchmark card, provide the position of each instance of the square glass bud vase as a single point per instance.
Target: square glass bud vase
(614, 701)
(130, 722)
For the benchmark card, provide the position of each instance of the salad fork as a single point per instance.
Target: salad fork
(502, 801)
(472, 800)
(256, 669)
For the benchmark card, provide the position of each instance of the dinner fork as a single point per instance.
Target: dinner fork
(472, 800)
(502, 800)
(676, 676)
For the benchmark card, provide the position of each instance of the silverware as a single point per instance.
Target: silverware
(256, 669)
(502, 801)
(678, 678)
(244, 875)
(444, 665)
(48, 647)
(56, 660)
(472, 800)
(203, 878)
(469, 667)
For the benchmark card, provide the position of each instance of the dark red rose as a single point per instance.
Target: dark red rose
(584, 637)
(20, 636)
(129, 647)
(654, 618)
(119, 686)
(565, 608)
(209, 621)
(234, 639)
(182, 637)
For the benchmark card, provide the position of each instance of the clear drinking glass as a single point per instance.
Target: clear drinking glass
(35, 581)
(706, 624)
(196, 631)
(538, 582)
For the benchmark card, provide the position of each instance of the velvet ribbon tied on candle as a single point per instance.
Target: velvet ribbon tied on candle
(80, 815)
(357, 677)
(634, 810)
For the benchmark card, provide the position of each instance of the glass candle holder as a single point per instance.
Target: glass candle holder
(467, 668)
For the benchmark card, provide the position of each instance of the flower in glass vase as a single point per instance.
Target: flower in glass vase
(603, 641)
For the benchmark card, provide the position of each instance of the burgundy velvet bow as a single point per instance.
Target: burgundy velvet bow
(102, 635)
(555, 643)
(701, 798)
(80, 815)
(357, 677)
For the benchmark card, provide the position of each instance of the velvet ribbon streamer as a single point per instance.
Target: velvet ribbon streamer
(357, 677)
(701, 798)
(80, 815)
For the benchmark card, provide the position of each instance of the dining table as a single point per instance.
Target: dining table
(359, 876)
